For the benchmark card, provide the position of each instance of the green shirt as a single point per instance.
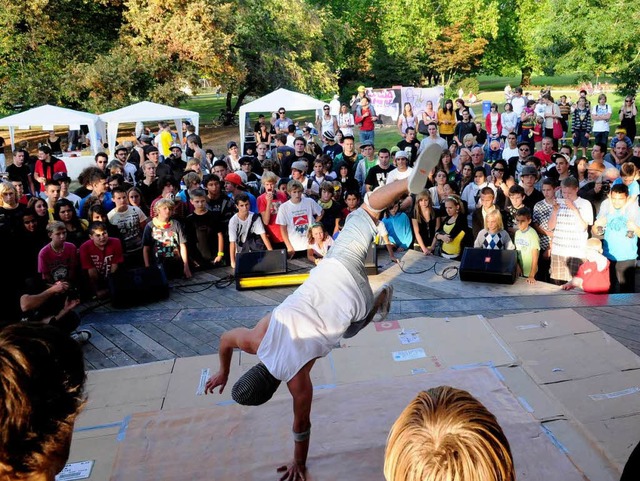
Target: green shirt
(526, 242)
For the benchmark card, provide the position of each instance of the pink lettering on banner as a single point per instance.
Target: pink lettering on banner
(386, 325)
(385, 102)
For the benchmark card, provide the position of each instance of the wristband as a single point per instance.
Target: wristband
(301, 437)
(220, 254)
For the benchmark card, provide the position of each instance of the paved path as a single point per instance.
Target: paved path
(191, 321)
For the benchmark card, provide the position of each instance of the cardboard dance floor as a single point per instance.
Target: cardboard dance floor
(566, 394)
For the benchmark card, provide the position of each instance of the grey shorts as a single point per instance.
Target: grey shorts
(352, 245)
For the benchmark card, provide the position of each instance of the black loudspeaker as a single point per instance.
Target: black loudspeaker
(261, 263)
(138, 286)
(489, 265)
(371, 261)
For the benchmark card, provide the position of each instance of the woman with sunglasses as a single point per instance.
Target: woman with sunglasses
(502, 181)
(627, 115)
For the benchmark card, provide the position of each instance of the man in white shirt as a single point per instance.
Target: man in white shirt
(335, 301)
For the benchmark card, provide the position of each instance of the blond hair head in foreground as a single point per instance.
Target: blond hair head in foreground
(445, 434)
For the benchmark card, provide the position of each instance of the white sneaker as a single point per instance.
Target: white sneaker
(425, 163)
(81, 336)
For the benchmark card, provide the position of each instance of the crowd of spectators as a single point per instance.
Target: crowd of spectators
(508, 182)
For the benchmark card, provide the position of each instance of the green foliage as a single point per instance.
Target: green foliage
(469, 84)
(628, 78)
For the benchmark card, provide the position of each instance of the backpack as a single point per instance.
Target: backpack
(253, 242)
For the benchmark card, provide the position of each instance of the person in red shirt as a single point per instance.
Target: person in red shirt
(47, 166)
(593, 274)
(547, 151)
(366, 117)
(100, 257)
(268, 205)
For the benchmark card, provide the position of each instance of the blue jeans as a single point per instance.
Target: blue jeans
(367, 135)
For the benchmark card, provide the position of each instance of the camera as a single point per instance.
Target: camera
(606, 186)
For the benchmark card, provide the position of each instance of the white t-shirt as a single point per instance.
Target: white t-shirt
(508, 152)
(395, 174)
(128, 223)
(298, 219)
(600, 125)
(518, 104)
(569, 239)
(311, 321)
(239, 229)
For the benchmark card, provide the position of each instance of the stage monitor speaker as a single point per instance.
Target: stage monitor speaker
(488, 265)
(371, 262)
(138, 286)
(259, 264)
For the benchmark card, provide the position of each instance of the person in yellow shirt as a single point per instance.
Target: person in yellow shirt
(447, 121)
(165, 139)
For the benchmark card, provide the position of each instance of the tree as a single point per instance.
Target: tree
(451, 54)
(41, 40)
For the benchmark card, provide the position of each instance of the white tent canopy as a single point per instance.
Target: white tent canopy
(145, 112)
(47, 116)
(288, 99)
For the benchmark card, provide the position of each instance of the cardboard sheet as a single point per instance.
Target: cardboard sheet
(584, 453)
(611, 395)
(115, 393)
(576, 356)
(541, 325)
(350, 425)
(99, 446)
(618, 436)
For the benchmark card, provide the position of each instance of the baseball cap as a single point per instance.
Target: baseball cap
(176, 146)
(231, 143)
(361, 88)
(401, 154)
(233, 178)
(300, 165)
(61, 176)
(119, 148)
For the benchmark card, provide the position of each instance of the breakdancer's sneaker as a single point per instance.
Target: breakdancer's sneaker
(379, 312)
(426, 162)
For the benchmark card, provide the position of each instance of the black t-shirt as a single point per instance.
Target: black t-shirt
(202, 236)
(285, 165)
(332, 150)
(20, 173)
(330, 215)
(377, 176)
(532, 199)
(403, 144)
(222, 209)
(464, 128)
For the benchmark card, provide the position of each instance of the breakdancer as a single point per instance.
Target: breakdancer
(335, 301)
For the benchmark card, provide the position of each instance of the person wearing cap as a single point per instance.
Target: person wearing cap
(64, 180)
(528, 179)
(593, 275)
(336, 301)
(369, 160)
(355, 99)
(298, 173)
(326, 122)
(570, 219)
(334, 105)
(282, 122)
(233, 185)
(331, 148)
(252, 179)
(402, 170)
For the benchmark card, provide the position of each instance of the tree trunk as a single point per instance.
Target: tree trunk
(240, 99)
(525, 81)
